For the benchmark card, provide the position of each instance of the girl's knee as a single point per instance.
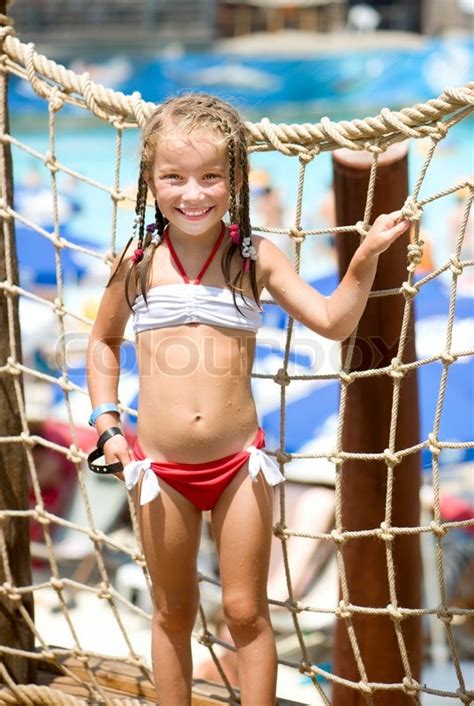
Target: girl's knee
(175, 619)
(243, 613)
(176, 615)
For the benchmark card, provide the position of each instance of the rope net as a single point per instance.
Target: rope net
(59, 88)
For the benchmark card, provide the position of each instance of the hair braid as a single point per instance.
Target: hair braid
(160, 220)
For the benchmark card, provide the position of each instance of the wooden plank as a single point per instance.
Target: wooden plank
(120, 679)
(67, 685)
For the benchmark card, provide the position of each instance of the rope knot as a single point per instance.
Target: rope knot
(5, 31)
(282, 377)
(293, 606)
(74, 454)
(391, 458)
(373, 147)
(282, 457)
(414, 255)
(456, 265)
(51, 163)
(9, 289)
(346, 378)
(104, 591)
(385, 532)
(41, 516)
(396, 368)
(117, 195)
(58, 305)
(4, 210)
(205, 638)
(338, 537)
(279, 531)
(305, 668)
(335, 459)
(57, 584)
(408, 290)
(439, 132)
(11, 592)
(366, 688)
(437, 529)
(411, 686)
(12, 366)
(395, 613)
(361, 228)
(434, 446)
(411, 210)
(308, 155)
(297, 234)
(27, 439)
(448, 358)
(56, 100)
(444, 616)
(343, 610)
(466, 698)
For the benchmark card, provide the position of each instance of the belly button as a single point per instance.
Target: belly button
(197, 418)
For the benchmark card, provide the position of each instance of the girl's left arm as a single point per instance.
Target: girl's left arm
(336, 316)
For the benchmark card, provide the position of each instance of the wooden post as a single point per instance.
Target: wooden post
(14, 632)
(366, 430)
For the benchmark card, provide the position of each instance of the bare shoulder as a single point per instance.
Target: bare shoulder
(269, 258)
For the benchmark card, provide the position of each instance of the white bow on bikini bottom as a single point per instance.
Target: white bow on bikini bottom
(258, 461)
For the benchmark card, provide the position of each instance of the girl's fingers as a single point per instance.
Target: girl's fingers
(397, 228)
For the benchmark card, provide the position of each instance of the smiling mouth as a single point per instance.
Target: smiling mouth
(194, 212)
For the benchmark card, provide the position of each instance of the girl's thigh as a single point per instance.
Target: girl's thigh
(170, 528)
(242, 523)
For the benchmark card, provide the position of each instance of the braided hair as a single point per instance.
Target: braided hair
(189, 112)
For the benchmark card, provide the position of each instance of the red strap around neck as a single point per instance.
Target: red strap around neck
(206, 264)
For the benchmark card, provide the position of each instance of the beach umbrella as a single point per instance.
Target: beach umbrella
(37, 257)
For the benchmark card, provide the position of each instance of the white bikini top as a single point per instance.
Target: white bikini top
(175, 304)
(187, 303)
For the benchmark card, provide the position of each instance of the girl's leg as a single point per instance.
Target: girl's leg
(242, 525)
(171, 529)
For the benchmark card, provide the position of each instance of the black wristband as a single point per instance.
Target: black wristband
(104, 468)
(108, 434)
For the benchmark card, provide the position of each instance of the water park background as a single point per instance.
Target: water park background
(288, 87)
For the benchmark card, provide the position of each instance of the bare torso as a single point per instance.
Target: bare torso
(196, 401)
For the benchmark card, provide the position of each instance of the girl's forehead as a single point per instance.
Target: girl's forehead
(178, 145)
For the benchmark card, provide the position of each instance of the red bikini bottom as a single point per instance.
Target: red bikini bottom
(201, 483)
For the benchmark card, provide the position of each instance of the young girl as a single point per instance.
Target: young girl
(193, 284)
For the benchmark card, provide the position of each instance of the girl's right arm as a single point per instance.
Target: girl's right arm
(103, 358)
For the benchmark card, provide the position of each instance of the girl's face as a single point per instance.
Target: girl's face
(190, 181)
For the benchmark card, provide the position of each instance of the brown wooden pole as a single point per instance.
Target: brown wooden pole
(366, 430)
(14, 632)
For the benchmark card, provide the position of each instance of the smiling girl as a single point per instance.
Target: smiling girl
(193, 285)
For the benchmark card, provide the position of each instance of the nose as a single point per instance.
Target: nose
(192, 190)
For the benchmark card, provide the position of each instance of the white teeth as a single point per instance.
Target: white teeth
(194, 213)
